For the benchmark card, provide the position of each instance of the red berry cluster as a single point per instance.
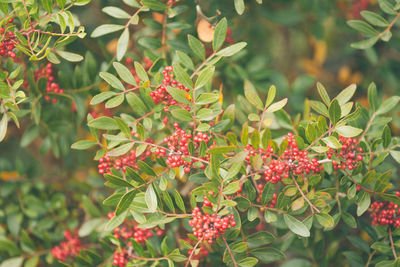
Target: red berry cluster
(147, 65)
(208, 227)
(68, 248)
(264, 153)
(160, 95)
(52, 86)
(385, 213)
(8, 41)
(126, 231)
(292, 161)
(201, 254)
(120, 258)
(178, 147)
(358, 6)
(348, 155)
(122, 162)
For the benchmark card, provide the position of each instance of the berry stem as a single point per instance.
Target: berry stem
(370, 258)
(391, 243)
(192, 253)
(230, 252)
(305, 197)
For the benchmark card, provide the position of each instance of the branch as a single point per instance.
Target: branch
(305, 197)
(230, 252)
(391, 241)
(192, 253)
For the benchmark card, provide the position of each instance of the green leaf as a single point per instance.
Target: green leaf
(151, 199)
(143, 166)
(386, 136)
(219, 34)
(221, 149)
(115, 221)
(296, 226)
(395, 155)
(99, 98)
(185, 60)
(131, 174)
(365, 44)
(388, 105)
(141, 72)
(372, 96)
(112, 80)
(182, 76)
(179, 95)
(136, 103)
(277, 106)
(154, 5)
(115, 101)
(124, 73)
(207, 98)
(232, 49)
(72, 57)
(232, 188)
(83, 144)
(335, 112)
(122, 45)
(319, 107)
(248, 262)
(323, 93)
(179, 201)
(332, 142)
(197, 47)
(103, 123)
(116, 12)
(362, 27)
(29, 136)
(348, 131)
(260, 239)
(12, 262)
(387, 7)
(344, 96)
(325, 220)
(252, 214)
(233, 170)
(382, 181)
(125, 201)
(271, 95)
(117, 180)
(239, 6)
(150, 42)
(181, 114)
(204, 77)
(349, 219)
(363, 204)
(268, 254)
(374, 18)
(251, 95)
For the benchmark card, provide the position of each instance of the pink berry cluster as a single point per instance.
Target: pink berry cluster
(292, 161)
(385, 213)
(209, 226)
(161, 95)
(122, 162)
(178, 147)
(8, 40)
(348, 155)
(67, 248)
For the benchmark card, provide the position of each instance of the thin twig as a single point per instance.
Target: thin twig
(305, 197)
(192, 253)
(230, 252)
(391, 243)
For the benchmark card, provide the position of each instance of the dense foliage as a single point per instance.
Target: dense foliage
(194, 134)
